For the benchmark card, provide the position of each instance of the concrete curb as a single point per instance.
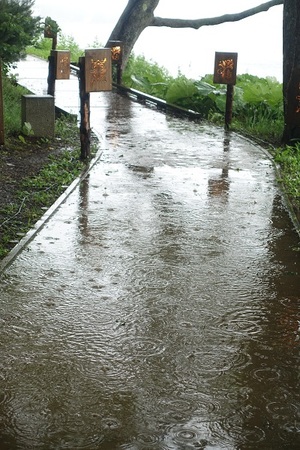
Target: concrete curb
(285, 197)
(30, 235)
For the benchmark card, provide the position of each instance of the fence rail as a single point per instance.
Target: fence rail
(158, 102)
(148, 99)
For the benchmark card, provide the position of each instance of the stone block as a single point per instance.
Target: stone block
(39, 111)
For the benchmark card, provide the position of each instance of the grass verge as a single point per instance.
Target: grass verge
(34, 173)
(288, 159)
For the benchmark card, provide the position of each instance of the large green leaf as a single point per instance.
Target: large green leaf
(205, 88)
(179, 89)
(262, 90)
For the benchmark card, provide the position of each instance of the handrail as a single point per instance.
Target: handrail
(160, 104)
(150, 99)
(74, 69)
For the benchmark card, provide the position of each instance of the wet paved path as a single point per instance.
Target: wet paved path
(158, 308)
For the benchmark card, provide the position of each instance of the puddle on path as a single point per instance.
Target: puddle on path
(159, 308)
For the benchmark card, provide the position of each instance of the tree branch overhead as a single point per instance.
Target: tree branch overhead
(198, 23)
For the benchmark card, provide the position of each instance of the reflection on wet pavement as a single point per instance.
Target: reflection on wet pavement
(159, 307)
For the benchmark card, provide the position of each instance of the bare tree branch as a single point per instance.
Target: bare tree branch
(198, 23)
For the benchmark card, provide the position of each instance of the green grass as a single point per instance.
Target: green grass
(39, 191)
(12, 94)
(43, 46)
(257, 105)
(289, 161)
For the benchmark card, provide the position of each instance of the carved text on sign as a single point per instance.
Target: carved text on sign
(225, 69)
(64, 65)
(61, 63)
(116, 53)
(98, 70)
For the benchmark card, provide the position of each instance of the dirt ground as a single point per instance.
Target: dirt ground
(19, 161)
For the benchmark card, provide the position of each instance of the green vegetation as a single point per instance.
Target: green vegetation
(147, 77)
(43, 46)
(35, 195)
(257, 107)
(12, 94)
(32, 187)
(18, 28)
(51, 27)
(289, 160)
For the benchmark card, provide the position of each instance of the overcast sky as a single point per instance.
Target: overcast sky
(258, 40)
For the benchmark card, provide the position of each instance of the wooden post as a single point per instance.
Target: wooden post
(1, 109)
(119, 74)
(51, 75)
(52, 63)
(116, 58)
(54, 42)
(225, 73)
(85, 130)
(229, 103)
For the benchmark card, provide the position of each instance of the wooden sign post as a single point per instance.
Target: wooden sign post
(85, 129)
(59, 68)
(50, 31)
(225, 73)
(62, 64)
(95, 75)
(116, 58)
(98, 74)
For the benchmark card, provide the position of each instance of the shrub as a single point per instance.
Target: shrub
(12, 94)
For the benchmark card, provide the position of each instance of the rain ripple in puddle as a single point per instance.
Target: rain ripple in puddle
(211, 362)
(230, 431)
(184, 436)
(241, 321)
(142, 348)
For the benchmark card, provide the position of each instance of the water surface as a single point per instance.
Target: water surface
(159, 307)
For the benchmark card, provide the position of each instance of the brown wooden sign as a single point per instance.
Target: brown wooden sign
(116, 51)
(225, 68)
(62, 64)
(98, 70)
